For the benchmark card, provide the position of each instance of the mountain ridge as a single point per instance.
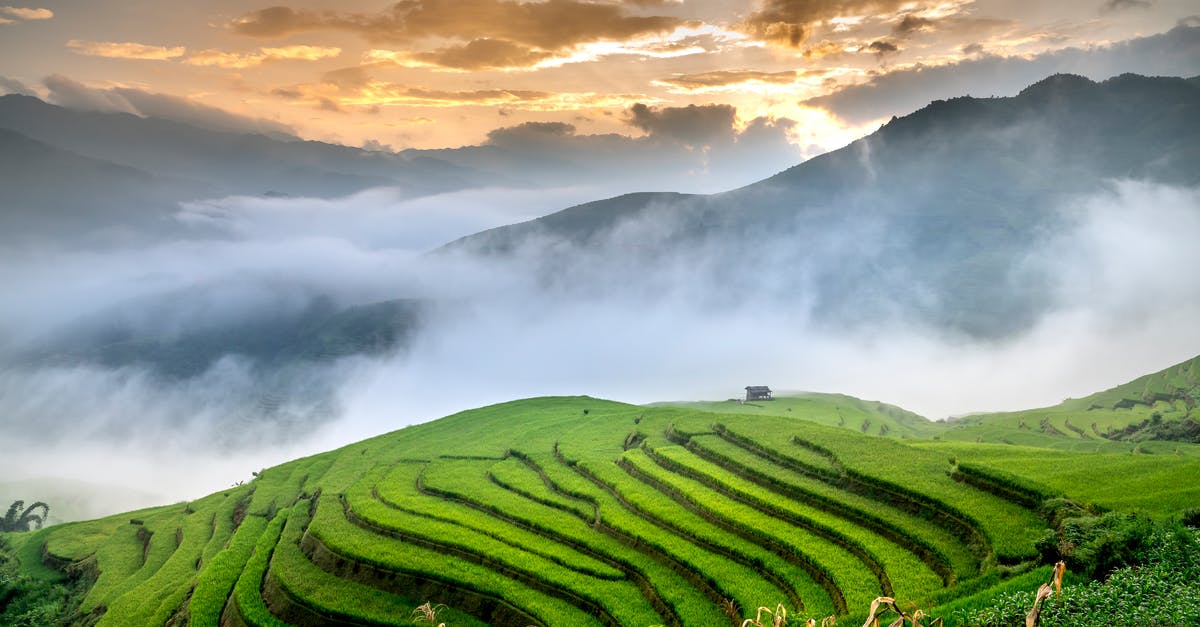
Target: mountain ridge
(948, 200)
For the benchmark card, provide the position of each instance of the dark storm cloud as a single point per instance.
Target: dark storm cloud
(550, 25)
(1174, 53)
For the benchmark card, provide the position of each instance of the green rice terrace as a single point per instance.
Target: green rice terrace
(578, 511)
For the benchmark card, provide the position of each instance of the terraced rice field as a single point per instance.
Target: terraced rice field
(558, 511)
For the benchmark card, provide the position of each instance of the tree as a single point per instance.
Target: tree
(24, 520)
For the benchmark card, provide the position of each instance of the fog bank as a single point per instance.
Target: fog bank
(661, 325)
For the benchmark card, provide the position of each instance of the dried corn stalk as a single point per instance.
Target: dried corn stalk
(778, 617)
(1034, 615)
(883, 604)
(427, 614)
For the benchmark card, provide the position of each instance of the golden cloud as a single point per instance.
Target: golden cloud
(706, 81)
(549, 26)
(789, 23)
(125, 50)
(22, 13)
(823, 49)
(361, 91)
(478, 54)
(239, 60)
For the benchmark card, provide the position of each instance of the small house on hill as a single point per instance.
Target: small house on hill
(758, 393)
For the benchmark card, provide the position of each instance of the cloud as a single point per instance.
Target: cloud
(240, 60)
(898, 92)
(1118, 5)
(882, 47)
(379, 93)
(692, 125)
(789, 23)
(69, 93)
(125, 50)
(823, 49)
(548, 26)
(355, 87)
(22, 13)
(530, 134)
(670, 156)
(911, 23)
(511, 330)
(704, 81)
(478, 54)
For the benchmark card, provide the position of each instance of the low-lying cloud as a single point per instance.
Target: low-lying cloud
(659, 324)
(66, 92)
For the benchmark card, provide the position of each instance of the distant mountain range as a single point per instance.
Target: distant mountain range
(927, 218)
(68, 172)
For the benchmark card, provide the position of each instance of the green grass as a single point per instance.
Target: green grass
(835, 410)
(335, 532)
(946, 550)
(570, 510)
(1159, 484)
(551, 522)
(1081, 424)
(159, 596)
(216, 581)
(898, 471)
(568, 575)
(329, 596)
(248, 597)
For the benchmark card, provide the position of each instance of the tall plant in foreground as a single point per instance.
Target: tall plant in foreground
(427, 614)
(18, 519)
(778, 617)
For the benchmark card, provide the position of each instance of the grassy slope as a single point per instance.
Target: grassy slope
(1081, 424)
(829, 409)
(535, 510)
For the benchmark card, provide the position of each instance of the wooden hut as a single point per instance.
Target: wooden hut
(758, 393)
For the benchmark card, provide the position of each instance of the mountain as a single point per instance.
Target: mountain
(928, 218)
(166, 335)
(49, 192)
(582, 511)
(190, 162)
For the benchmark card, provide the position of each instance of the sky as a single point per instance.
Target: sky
(446, 73)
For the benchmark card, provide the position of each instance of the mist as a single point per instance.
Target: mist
(702, 325)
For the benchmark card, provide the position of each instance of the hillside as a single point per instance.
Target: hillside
(933, 218)
(580, 511)
(1115, 420)
(180, 344)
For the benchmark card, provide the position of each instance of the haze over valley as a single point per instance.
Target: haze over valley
(575, 312)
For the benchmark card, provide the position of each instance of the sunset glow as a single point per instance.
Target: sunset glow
(437, 73)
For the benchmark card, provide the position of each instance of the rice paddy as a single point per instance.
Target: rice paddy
(579, 511)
